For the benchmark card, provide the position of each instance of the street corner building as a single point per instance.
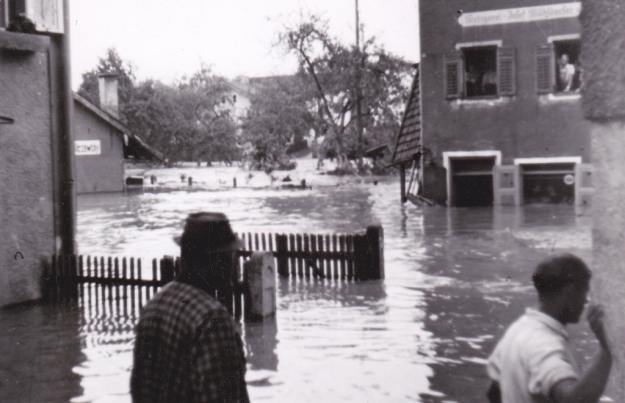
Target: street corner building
(42, 162)
(495, 111)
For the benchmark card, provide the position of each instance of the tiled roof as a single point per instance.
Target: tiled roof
(409, 137)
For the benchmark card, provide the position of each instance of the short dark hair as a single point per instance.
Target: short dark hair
(557, 271)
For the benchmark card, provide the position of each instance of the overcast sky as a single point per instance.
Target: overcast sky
(167, 39)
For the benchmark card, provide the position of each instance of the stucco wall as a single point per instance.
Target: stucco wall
(104, 172)
(603, 52)
(526, 125)
(609, 241)
(26, 193)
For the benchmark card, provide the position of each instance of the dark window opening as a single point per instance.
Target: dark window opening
(234, 98)
(567, 64)
(549, 183)
(472, 182)
(480, 71)
(11, 10)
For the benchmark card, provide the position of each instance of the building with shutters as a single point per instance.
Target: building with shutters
(500, 117)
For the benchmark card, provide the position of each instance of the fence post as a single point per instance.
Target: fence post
(167, 269)
(375, 252)
(281, 250)
(369, 254)
(360, 257)
(259, 277)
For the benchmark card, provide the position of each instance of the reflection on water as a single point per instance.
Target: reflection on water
(455, 278)
(39, 349)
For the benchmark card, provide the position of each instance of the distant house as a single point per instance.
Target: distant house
(237, 98)
(241, 89)
(499, 119)
(103, 142)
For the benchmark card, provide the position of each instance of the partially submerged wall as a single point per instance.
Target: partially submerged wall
(26, 165)
(603, 101)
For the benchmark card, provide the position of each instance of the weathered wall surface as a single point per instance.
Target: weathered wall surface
(104, 172)
(26, 191)
(525, 125)
(608, 147)
(603, 54)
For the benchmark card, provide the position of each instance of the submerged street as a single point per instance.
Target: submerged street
(455, 278)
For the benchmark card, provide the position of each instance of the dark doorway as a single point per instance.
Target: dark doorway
(472, 181)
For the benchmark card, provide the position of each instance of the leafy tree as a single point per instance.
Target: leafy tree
(278, 114)
(112, 63)
(185, 121)
(334, 73)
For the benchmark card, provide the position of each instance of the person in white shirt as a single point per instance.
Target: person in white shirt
(566, 73)
(533, 362)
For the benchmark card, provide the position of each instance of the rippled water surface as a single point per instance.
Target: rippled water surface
(454, 279)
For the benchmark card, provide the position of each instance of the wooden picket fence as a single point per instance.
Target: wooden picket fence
(339, 257)
(299, 256)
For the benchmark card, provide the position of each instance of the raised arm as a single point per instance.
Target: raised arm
(590, 386)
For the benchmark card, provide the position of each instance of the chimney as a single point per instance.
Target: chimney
(107, 85)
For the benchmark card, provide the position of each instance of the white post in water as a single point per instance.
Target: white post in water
(259, 277)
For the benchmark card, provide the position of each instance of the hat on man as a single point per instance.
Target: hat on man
(208, 231)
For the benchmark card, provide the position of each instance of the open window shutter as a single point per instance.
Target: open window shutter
(545, 68)
(453, 75)
(46, 14)
(506, 71)
(583, 184)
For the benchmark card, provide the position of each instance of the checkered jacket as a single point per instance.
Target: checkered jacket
(187, 349)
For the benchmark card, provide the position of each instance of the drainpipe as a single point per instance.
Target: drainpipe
(66, 192)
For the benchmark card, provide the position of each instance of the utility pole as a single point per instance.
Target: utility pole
(358, 91)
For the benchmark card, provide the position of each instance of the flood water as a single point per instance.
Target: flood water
(455, 278)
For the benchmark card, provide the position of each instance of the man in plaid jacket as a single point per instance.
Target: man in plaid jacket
(187, 348)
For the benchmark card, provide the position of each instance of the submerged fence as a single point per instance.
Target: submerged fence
(345, 257)
(300, 256)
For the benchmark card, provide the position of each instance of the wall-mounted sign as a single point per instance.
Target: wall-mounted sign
(46, 14)
(87, 147)
(523, 14)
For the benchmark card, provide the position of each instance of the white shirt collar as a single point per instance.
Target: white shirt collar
(547, 320)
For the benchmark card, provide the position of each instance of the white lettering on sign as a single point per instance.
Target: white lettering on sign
(524, 14)
(87, 147)
(46, 14)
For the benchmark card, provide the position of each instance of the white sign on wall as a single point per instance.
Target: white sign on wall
(87, 147)
(46, 14)
(523, 14)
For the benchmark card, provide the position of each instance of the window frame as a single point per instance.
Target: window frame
(448, 156)
(548, 49)
(454, 69)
